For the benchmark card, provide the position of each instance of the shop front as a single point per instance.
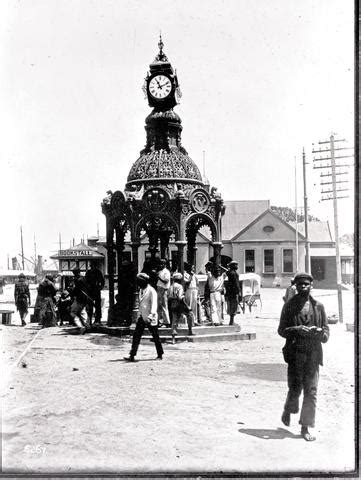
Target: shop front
(79, 256)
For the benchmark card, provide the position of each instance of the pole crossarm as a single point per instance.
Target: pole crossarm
(330, 158)
(336, 166)
(338, 190)
(334, 141)
(330, 174)
(331, 183)
(333, 198)
(329, 150)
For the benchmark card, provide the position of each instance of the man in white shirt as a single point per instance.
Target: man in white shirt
(147, 317)
(163, 285)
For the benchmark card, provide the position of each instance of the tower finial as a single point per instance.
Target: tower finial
(161, 57)
(160, 44)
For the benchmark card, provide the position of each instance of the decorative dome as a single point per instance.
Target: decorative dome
(164, 165)
(169, 115)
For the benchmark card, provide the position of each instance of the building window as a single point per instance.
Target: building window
(269, 261)
(73, 265)
(83, 265)
(249, 263)
(287, 260)
(64, 265)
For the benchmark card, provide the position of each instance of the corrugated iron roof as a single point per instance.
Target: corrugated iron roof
(317, 231)
(239, 214)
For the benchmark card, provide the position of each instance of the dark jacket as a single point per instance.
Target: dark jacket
(289, 317)
(232, 285)
(80, 290)
(94, 279)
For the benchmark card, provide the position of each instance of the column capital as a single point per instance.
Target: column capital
(217, 244)
(135, 244)
(180, 243)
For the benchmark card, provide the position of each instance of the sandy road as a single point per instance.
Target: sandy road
(77, 407)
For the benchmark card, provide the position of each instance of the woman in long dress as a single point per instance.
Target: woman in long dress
(45, 303)
(191, 293)
(216, 288)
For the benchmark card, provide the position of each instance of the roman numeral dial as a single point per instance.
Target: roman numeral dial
(160, 87)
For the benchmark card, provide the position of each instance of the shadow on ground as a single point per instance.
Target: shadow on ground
(263, 371)
(269, 434)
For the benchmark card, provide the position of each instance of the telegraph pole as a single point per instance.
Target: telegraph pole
(307, 259)
(296, 215)
(22, 247)
(35, 257)
(331, 177)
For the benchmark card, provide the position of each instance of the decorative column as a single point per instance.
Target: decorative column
(191, 246)
(135, 245)
(217, 247)
(193, 256)
(153, 244)
(119, 246)
(164, 242)
(180, 245)
(110, 258)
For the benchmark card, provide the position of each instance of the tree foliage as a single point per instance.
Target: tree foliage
(288, 215)
(348, 239)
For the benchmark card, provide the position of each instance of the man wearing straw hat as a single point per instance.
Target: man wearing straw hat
(148, 317)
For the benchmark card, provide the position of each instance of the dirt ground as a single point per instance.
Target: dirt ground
(71, 404)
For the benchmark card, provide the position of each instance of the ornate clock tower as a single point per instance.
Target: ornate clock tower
(165, 196)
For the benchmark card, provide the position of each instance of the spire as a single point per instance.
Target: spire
(161, 57)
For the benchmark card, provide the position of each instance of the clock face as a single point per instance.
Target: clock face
(160, 86)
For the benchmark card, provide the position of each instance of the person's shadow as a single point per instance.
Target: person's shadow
(268, 433)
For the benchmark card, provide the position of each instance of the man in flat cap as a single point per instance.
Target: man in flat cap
(232, 290)
(304, 325)
(148, 317)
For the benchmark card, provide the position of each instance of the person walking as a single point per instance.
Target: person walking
(232, 291)
(81, 298)
(303, 324)
(22, 297)
(163, 285)
(148, 317)
(95, 284)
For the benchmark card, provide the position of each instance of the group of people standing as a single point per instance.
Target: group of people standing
(76, 305)
(222, 287)
(166, 299)
(177, 294)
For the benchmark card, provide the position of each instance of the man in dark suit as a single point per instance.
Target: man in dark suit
(303, 324)
(95, 282)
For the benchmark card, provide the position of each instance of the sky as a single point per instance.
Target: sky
(260, 82)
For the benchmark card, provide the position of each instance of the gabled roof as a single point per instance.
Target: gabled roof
(317, 231)
(272, 213)
(239, 214)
